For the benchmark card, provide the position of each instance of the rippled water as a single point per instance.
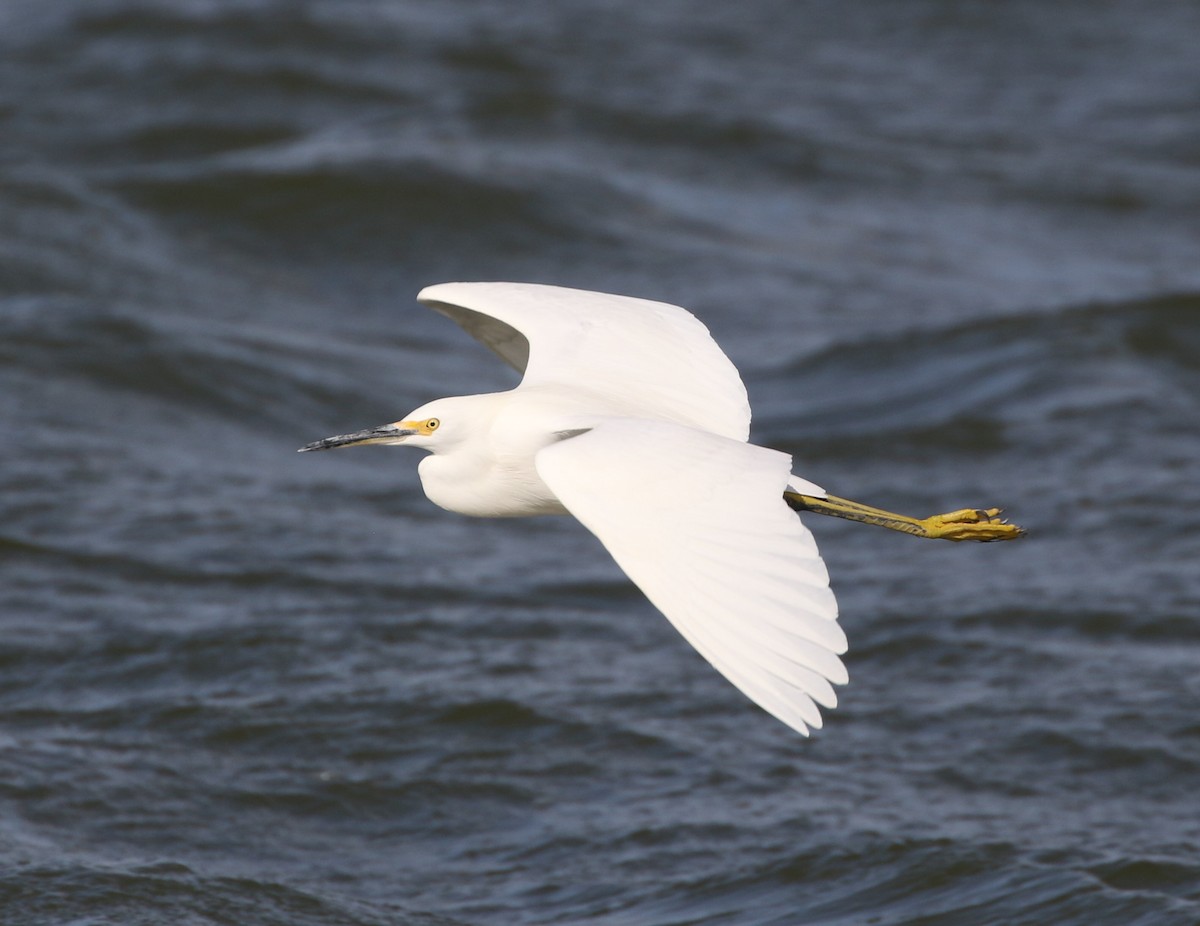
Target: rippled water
(953, 248)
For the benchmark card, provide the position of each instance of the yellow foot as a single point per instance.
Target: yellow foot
(983, 524)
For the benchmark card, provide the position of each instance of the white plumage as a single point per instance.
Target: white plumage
(698, 522)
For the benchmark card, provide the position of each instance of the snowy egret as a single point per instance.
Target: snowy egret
(632, 419)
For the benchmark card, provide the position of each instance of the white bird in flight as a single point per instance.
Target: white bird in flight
(632, 419)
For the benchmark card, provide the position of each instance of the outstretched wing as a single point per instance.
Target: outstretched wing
(656, 358)
(698, 522)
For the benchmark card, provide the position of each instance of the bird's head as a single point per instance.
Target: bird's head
(431, 427)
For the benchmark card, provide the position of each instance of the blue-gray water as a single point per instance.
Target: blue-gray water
(953, 247)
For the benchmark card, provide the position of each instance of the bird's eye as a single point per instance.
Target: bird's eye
(432, 424)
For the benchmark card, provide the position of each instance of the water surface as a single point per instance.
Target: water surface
(953, 249)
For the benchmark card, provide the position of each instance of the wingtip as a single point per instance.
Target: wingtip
(456, 292)
(427, 295)
(441, 292)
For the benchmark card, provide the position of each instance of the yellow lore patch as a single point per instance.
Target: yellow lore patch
(426, 427)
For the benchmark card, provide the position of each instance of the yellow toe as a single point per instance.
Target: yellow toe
(980, 524)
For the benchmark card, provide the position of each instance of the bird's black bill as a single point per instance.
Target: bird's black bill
(384, 434)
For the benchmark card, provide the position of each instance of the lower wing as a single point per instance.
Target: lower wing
(699, 523)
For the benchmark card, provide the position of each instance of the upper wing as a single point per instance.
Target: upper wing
(699, 523)
(656, 357)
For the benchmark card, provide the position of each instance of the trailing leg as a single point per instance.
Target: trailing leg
(982, 524)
